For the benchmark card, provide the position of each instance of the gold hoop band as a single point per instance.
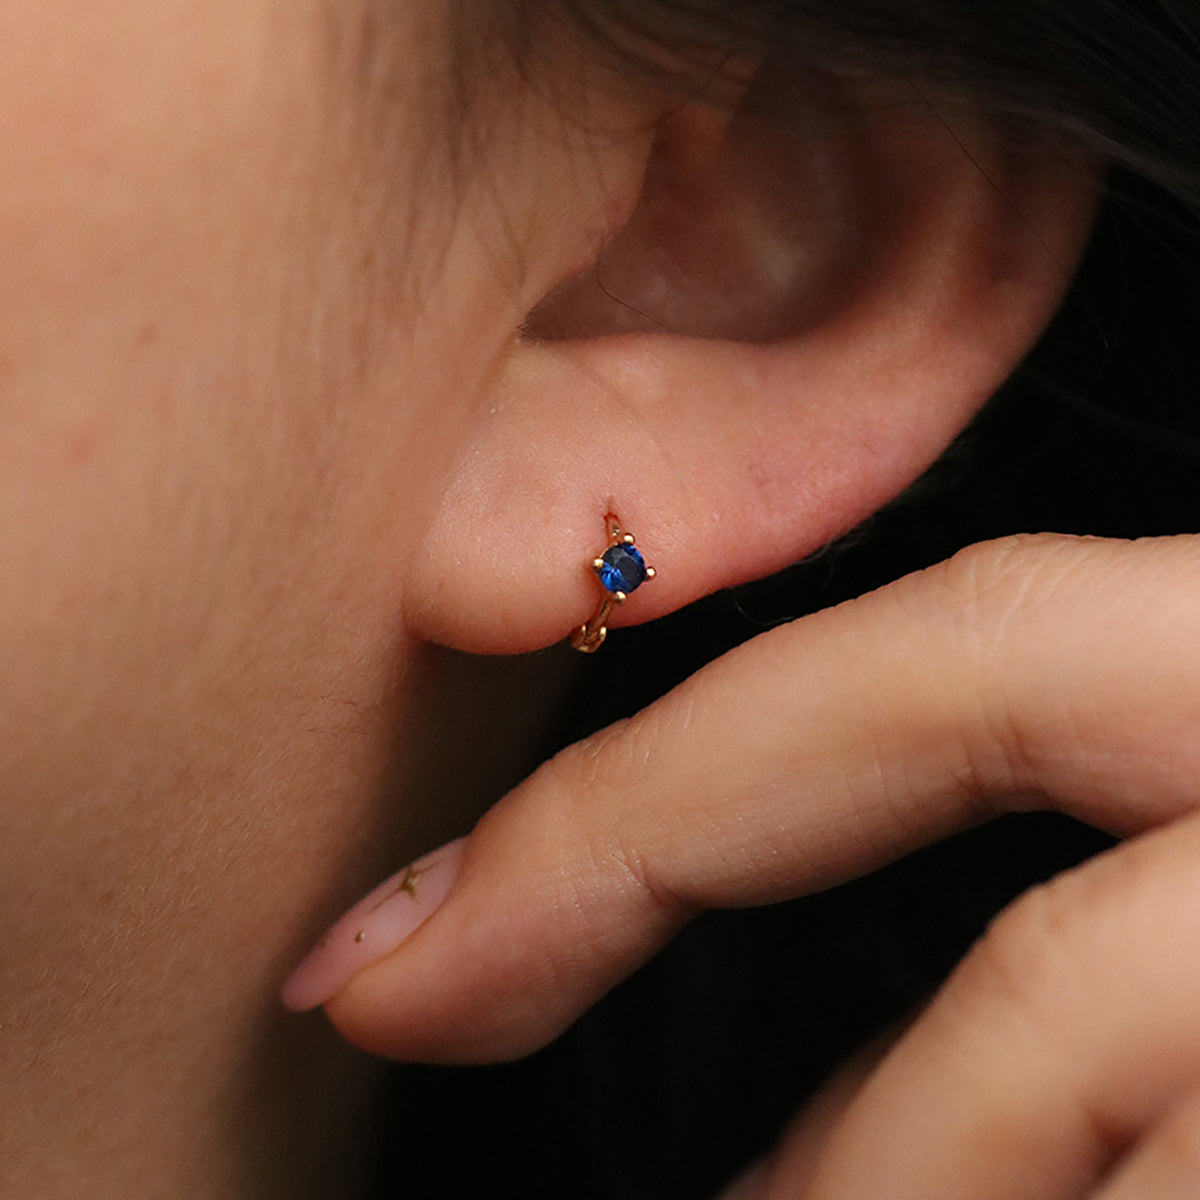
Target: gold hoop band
(620, 570)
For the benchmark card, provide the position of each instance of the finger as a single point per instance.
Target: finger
(1165, 1165)
(1063, 1039)
(1039, 671)
(792, 1164)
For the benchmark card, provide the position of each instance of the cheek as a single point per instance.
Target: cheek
(228, 392)
(174, 584)
(181, 534)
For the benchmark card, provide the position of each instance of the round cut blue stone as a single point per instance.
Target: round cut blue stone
(624, 568)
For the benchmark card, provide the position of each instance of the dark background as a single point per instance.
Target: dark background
(688, 1070)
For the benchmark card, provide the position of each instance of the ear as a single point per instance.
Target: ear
(805, 305)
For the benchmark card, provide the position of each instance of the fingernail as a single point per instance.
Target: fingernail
(374, 927)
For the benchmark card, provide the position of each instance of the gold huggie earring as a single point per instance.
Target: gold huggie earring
(621, 569)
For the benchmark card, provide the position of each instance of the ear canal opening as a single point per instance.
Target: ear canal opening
(751, 225)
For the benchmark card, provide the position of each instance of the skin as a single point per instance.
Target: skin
(208, 726)
(299, 337)
(1061, 1059)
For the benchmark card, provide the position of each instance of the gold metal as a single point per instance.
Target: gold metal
(589, 637)
(408, 885)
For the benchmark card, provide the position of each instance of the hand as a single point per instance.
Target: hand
(1064, 1054)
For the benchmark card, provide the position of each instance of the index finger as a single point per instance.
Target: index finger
(1034, 671)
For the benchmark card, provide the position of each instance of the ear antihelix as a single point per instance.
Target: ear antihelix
(620, 570)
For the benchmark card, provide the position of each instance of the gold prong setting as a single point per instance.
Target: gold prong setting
(621, 569)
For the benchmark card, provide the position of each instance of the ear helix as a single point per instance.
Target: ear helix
(621, 569)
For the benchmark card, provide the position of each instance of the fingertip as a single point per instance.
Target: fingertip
(379, 923)
(750, 1185)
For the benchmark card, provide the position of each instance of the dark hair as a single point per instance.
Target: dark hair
(1121, 77)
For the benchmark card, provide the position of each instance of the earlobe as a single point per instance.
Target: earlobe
(801, 312)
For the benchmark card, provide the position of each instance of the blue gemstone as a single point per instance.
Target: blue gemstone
(624, 569)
